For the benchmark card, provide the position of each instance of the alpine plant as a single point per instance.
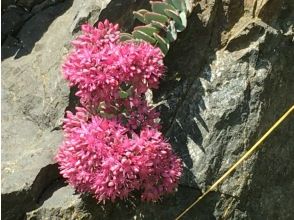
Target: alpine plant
(112, 145)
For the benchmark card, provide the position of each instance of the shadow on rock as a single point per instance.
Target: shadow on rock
(168, 208)
(23, 42)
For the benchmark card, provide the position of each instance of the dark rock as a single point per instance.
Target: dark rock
(121, 12)
(5, 4)
(12, 20)
(219, 100)
(28, 4)
(10, 47)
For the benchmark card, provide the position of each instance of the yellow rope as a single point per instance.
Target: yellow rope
(245, 156)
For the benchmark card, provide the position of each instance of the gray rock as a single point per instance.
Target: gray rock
(233, 86)
(230, 76)
(64, 204)
(34, 98)
(89, 12)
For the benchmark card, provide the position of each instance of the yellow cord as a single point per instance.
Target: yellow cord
(245, 156)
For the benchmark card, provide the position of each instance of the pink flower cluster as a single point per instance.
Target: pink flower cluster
(98, 156)
(138, 114)
(112, 146)
(100, 64)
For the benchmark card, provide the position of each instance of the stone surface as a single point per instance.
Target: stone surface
(34, 99)
(230, 76)
(12, 21)
(64, 204)
(232, 82)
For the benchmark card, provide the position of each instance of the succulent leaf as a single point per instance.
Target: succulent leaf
(183, 18)
(174, 15)
(140, 15)
(158, 25)
(152, 16)
(166, 19)
(147, 29)
(143, 36)
(170, 2)
(125, 37)
(179, 5)
(143, 11)
(162, 43)
(159, 7)
(171, 33)
(123, 94)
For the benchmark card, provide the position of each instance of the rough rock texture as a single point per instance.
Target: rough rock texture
(230, 76)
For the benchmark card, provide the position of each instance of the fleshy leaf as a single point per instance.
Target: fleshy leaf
(125, 37)
(183, 18)
(140, 15)
(171, 33)
(147, 29)
(152, 16)
(162, 43)
(179, 5)
(123, 94)
(159, 7)
(158, 25)
(175, 16)
(141, 35)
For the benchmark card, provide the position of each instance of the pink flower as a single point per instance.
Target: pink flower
(159, 168)
(112, 146)
(141, 65)
(103, 158)
(87, 66)
(138, 115)
(91, 156)
(99, 64)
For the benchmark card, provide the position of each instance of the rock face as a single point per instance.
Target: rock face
(230, 76)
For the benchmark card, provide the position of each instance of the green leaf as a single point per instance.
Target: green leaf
(158, 25)
(125, 37)
(170, 2)
(147, 29)
(179, 5)
(178, 20)
(159, 7)
(141, 35)
(142, 11)
(183, 18)
(152, 16)
(140, 15)
(123, 94)
(162, 43)
(173, 15)
(171, 33)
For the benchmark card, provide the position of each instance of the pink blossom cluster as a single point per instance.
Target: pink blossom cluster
(112, 146)
(138, 114)
(98, 156)
(100, 64)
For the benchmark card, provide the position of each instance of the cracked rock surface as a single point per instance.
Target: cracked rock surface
(230, 76)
